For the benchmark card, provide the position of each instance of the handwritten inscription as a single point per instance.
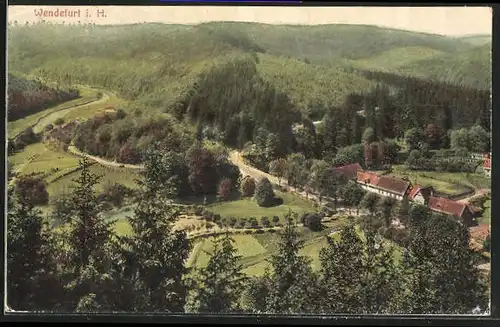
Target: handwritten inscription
(70, 13)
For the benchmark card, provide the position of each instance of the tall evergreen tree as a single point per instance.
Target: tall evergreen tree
(89, 243)
(32, 275)
(217, 287)
(293, 284)
(155, 253)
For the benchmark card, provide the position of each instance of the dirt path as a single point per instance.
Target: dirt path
(237, 159)
(34, 126)
(72, 149)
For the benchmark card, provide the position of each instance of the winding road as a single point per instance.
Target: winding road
(37, 126)
(72, 149)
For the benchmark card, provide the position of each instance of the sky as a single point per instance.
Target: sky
(451, 21)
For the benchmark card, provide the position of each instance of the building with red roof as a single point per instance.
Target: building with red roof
(383, 185)
(487, 164)
(452, 208)
(421, 194)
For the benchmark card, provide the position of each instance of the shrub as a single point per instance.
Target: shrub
(32, 190)
(59, 121)
(115, 193)
(248, 186)
(217, 218)
(259, 231)
(276, 220)
(264, 193)
(232, 221)
(198, 211)
(271, 230)
(278, 201)
(487, 243)
(312, 221)
(224, 189)
(265, 221)
(248, 231)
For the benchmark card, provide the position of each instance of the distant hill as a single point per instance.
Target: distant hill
(477, 40)
(156, 65)
(471, 67)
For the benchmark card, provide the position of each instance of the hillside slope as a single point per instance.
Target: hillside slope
(157, 66)
(26, 97)
(471, 68)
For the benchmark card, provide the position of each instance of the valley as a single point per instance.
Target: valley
(256, 131)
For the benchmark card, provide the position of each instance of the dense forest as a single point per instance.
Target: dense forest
(86, 267)
(26, 97)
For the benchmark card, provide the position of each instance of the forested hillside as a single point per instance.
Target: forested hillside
(240, 80)
(26, 97)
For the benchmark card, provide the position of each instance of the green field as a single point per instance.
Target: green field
(445, 182)
(123, 176)
(19, 125)
(486, 216)
(249, 208)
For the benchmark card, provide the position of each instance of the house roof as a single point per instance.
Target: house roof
(349, 171)
(447, 206)
(386, 183)
(393, 184)
(487, 163)
(414, 190)
(367, 177)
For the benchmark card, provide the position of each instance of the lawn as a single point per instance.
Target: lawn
(123, 176)
(89, 111)
(486, 217)
(22, 157)
(247, 246)
(444, 182)
(247, 207)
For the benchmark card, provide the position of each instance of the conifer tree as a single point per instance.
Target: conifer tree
(217, 287)
(90, 241)
(32, 276)
(293, 283)
(155, 253)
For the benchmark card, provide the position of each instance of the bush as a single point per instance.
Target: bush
(248, 187)
(232, 221)
(278, 201)
(312, 221)
(32, 190)
(264, 193)
(115, 193)
(271, 230)
(224, 189)
(487, 243)
(198, 211)
(59, 121)
(216, 218)
(276, 220)
(259, 231)
(208, 215)
(265, 221)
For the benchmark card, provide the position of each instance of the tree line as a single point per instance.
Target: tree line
(84, 266)
(27, 97)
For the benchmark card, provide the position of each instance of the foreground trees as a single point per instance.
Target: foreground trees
(83, 266)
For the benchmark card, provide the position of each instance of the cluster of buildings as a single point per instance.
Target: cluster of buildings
(400, 188)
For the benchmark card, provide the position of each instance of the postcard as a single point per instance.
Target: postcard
(249, 160)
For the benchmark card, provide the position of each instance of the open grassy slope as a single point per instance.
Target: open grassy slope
(471, 67)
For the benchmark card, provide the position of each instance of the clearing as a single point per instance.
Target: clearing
(248, 207)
